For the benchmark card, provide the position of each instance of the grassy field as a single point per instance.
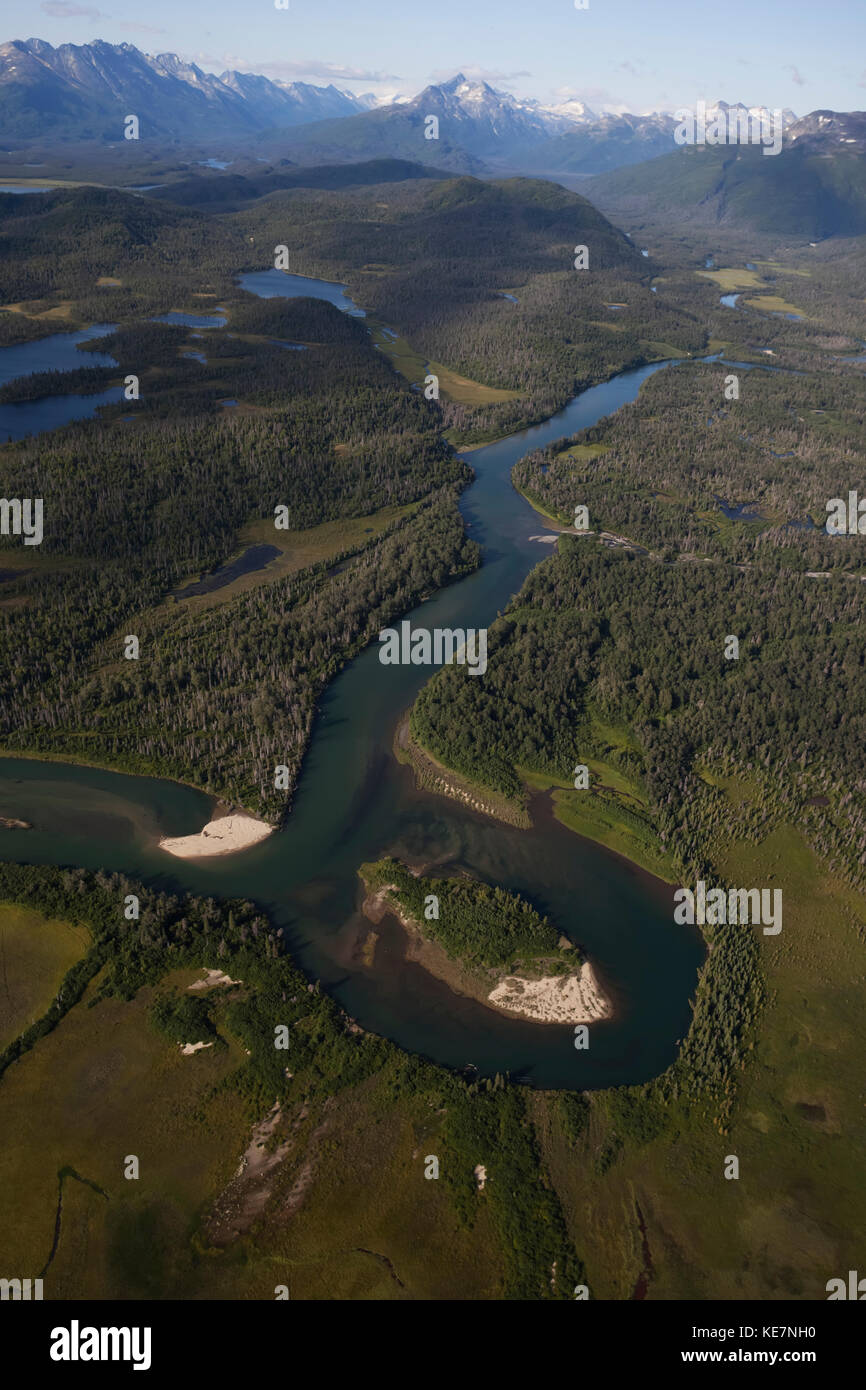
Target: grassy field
(774, 304)
(103, 1085)
(560, 519)
(584, 451)
(350, 1213)
(452, 387)
(611, 811)
(795, 1216)
(35, 954)
(734, 279)
(32, 309)
(353, 1216)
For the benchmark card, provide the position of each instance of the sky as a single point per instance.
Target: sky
(626, 55)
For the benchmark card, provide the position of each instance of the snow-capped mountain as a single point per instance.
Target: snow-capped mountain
(758, 113)
(84, 91)
(483, 120)
(829, 128)
(573, 110)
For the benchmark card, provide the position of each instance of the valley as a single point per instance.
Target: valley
(434, 1029)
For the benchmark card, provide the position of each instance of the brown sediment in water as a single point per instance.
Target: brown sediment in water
(570, 999)
(435, 777)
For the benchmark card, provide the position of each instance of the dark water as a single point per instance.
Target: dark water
(211, 320)
(739, 511)
(58, 353)
(278, 284)
(19, 188)
(355, 803)
(254, 558)
(21, 418)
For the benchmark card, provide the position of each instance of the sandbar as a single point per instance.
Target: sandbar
(225, 836)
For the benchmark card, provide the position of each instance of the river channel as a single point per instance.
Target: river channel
(355, 802)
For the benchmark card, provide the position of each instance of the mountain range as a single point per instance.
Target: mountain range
(813, 189)
(84, 92)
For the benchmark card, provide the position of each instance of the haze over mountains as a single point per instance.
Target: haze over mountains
(84, 92)
(815, 188)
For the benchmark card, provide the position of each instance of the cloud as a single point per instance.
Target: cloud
(285, 68)
(473, 71)
(65, 9)
(796, 75)
(597, 98)
(861, 80)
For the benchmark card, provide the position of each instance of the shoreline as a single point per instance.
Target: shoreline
(548, 999)
(191, 846)
(437, 779)
(228, 833)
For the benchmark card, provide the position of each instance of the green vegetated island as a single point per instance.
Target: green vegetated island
(487, 942)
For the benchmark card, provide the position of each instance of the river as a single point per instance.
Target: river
(355, 802)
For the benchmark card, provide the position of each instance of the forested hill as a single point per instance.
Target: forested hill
(436, 260)
(209, 188)
(433, 259)
(806, 192)
(62, 242)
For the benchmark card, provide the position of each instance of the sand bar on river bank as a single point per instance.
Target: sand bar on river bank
(227, 835)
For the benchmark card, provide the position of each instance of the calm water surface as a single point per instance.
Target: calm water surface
(355, 802)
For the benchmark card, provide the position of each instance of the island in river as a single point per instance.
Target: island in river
(486, 942)
(227, 833)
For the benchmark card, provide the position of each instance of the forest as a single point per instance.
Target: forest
(690, 473)
(478, 924)
(330, 433)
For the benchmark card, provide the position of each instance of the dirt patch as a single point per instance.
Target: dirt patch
(247, 1194)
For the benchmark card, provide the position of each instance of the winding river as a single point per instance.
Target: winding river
(355, 803)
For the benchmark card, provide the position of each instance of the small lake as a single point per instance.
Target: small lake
(20, 418)
(729, 300)
(58, 353)
(216, 319)
(277, 284)
(739, 511)
(20, 188)
(254, 558)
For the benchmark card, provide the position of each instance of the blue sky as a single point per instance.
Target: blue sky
(634, 55)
